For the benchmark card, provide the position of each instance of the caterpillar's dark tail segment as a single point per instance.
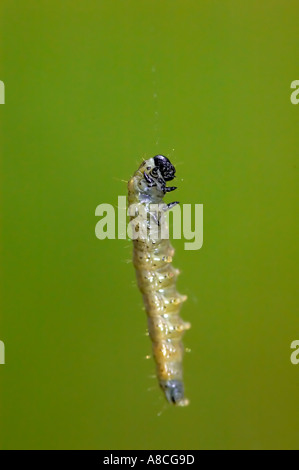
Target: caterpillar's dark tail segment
(174, 392)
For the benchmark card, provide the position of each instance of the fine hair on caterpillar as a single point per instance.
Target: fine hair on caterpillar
(156, 277)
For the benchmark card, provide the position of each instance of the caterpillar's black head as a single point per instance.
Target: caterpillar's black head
(167, 170)
(155, 172)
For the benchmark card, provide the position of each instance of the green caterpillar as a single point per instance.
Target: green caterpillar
(156, 276)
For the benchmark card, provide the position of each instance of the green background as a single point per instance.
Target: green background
(92, 87)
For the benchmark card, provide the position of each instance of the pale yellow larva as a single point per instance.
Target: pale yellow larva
(156, 276)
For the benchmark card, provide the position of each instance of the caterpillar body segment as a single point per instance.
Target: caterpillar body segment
(156, 277)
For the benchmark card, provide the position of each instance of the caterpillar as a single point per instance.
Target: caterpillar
(156, 277)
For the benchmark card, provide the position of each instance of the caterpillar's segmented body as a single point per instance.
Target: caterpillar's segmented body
(157, 277)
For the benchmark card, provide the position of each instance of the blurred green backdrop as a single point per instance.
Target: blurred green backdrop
(92, 87)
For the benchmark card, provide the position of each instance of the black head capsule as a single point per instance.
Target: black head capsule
(166, 168)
